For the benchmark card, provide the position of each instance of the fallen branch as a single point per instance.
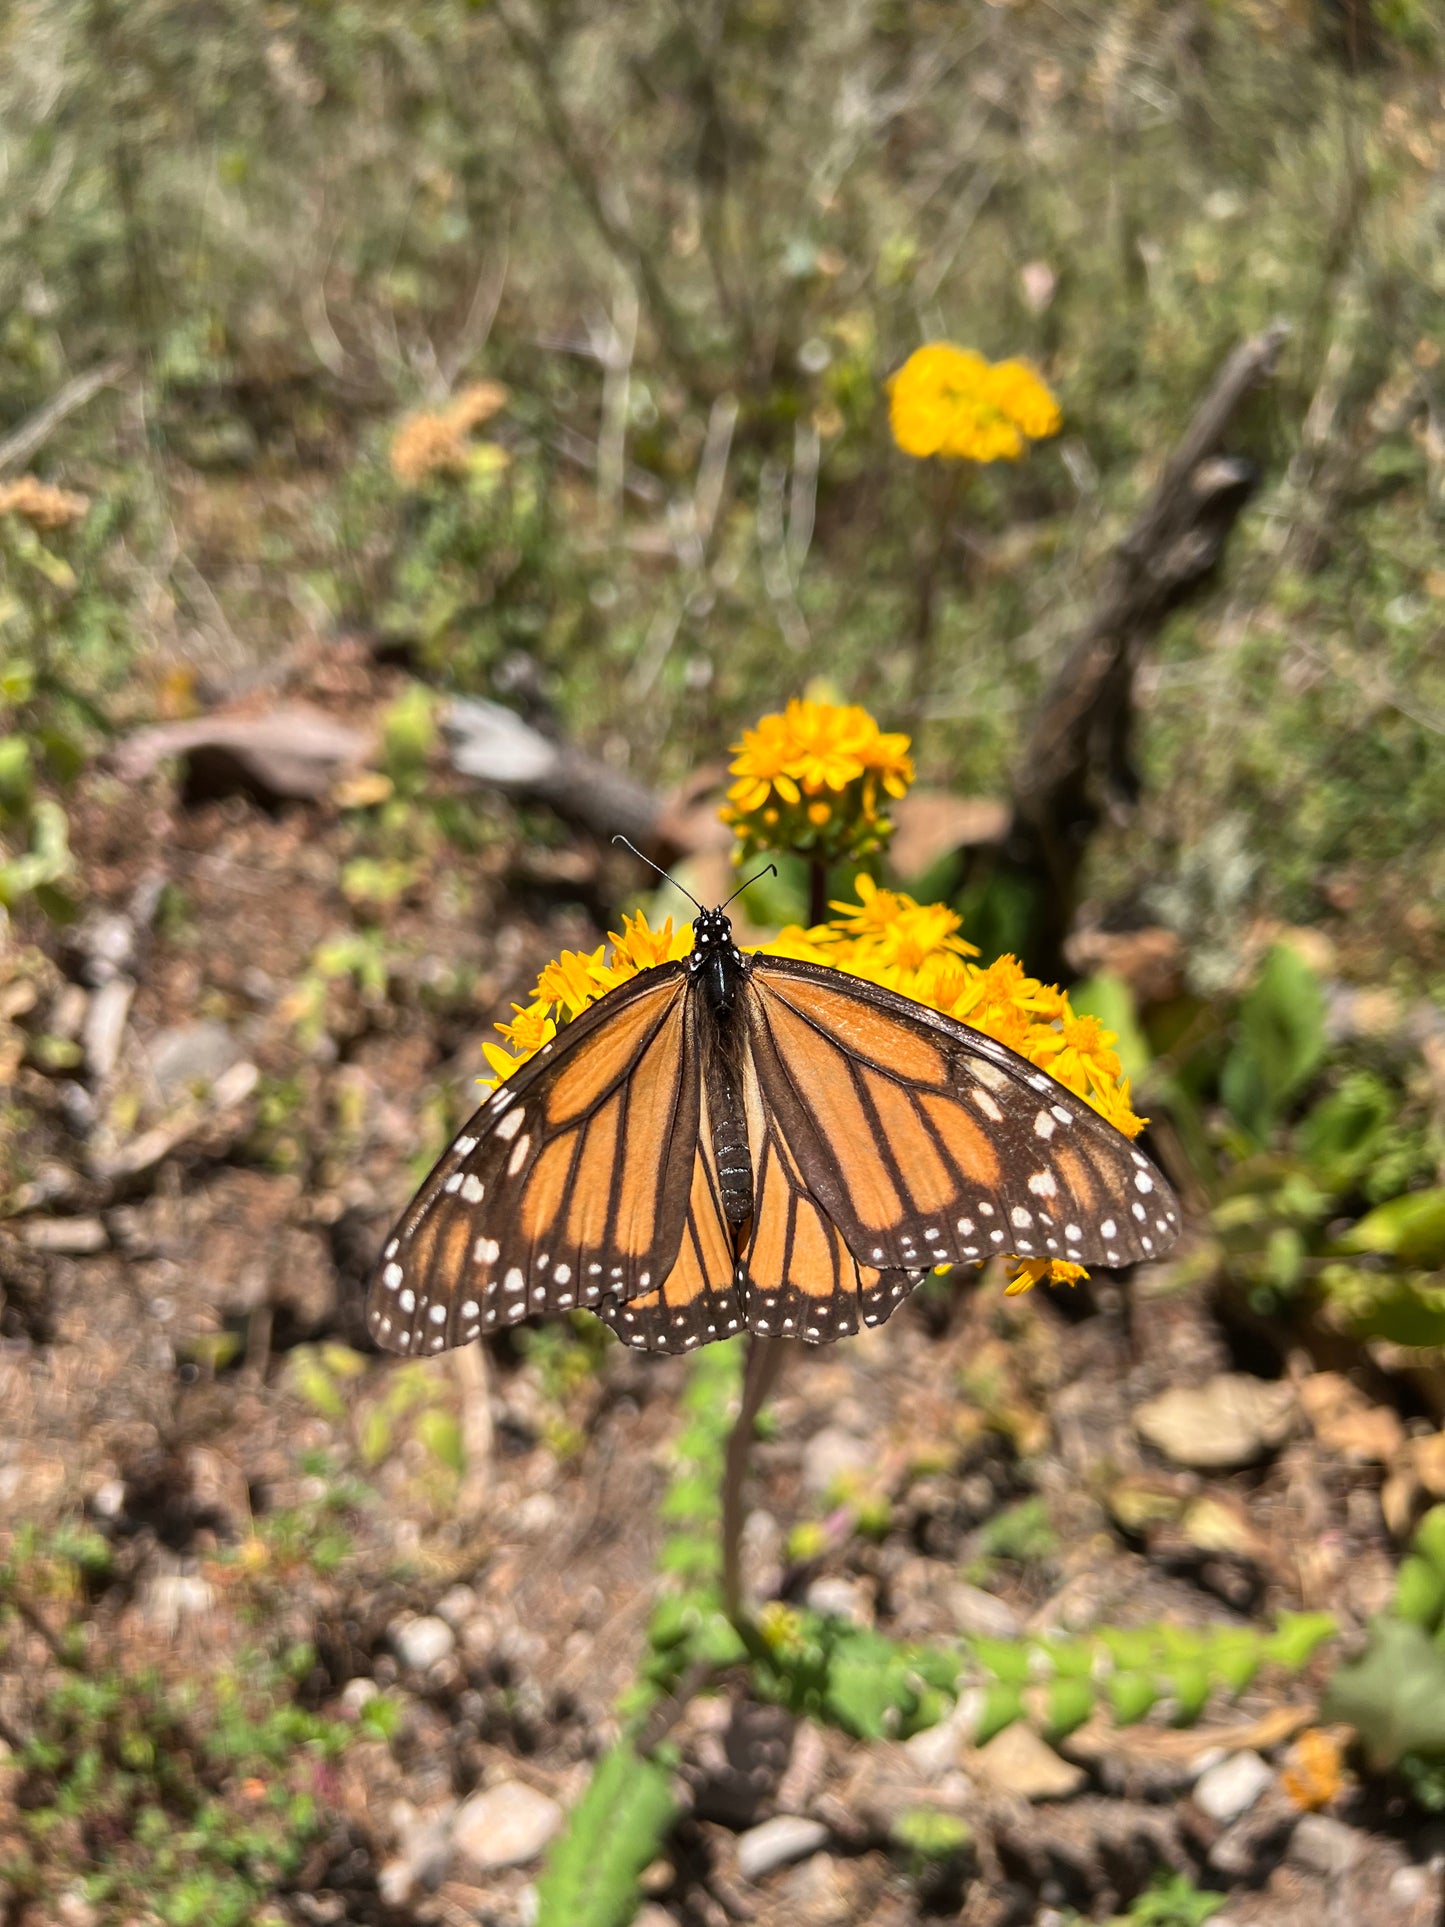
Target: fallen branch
(494, 746)
(32, 435)
(1076, 765)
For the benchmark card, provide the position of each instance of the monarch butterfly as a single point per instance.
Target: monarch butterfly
(736, 1142)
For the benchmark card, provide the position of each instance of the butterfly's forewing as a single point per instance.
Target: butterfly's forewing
(571, 1183)
(923, 1140)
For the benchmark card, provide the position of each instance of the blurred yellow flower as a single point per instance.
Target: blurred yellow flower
(951, 402)
(433, 441)
(42, 504)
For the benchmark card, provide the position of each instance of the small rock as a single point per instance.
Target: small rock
(108, 1499)
(815, 1893)
(535, 1515)
(935, 1750)
(981, 1613)
(423, 1850)
(171, 1597)
(420, 1643)
(832, 1455)
(191, 1055)
(355, 1694)
(1231, 1786)
(505, 1826)
(105, 1025)
(1411, 1886)
(654, 1916)
(456, 1606)
(806, 1770)
(395, 1883)
(1017, 1761)
(65, 1237)
(1322, 1845)
(777, 1843)
(1231, 1420)
(838, 1598)
(479, 1637)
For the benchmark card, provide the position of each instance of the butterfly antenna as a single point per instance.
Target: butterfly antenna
(661, 872)
(768, 870)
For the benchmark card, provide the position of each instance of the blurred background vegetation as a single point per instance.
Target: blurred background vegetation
(389, 353)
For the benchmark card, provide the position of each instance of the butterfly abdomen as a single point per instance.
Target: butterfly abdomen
(730, 1144)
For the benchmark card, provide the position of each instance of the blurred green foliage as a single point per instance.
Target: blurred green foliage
(1393, 1692)
(693, 254)
(191, 1800)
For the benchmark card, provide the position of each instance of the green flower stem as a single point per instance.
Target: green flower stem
(945, 486)
(764, 1360)
(817, 891)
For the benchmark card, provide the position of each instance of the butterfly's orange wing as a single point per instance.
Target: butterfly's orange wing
(922, 1140)
(570, 1184)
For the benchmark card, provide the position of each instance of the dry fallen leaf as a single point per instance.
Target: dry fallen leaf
(1314, 1771)
(1344, 1420)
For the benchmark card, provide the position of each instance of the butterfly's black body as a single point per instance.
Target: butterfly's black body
(721, 969)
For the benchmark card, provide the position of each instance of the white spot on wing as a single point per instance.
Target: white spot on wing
(472, 1189)
(519, 1153)
(511, 1124)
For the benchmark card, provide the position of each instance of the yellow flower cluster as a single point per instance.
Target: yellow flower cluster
(951, 402)
(433, 441)
(42, 504)
(889, 939)
(814, 778)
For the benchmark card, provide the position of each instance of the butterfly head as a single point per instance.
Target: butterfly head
(712, 936)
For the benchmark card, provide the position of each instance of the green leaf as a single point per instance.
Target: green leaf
(1190, 1685)
(1070, 1702)
(1131, 1695)
(1419, 1592)
(1009, 1660)
(1429, 1541)
(1109, 998)
(930, 1834)
(1410, 1228)
(1279, 1043)
(441, 1433)
(1341, 1135)
(315, 1384)
(1233, 1655)
(613, 1833)
(1393, 1694)
(1003, 1703)
(1296, 1636)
